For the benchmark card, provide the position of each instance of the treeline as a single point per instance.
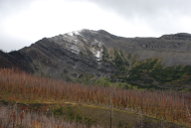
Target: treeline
(149, 73)
(167, 105)
(152, 72)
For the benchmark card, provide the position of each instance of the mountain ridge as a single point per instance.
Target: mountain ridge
(81, 53)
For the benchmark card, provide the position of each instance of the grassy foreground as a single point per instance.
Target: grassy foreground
(72, 115)
(20, 87)
(12, 117)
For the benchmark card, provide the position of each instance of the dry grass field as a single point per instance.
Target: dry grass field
(20, 87)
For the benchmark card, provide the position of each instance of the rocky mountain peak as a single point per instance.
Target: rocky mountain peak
(81, 42)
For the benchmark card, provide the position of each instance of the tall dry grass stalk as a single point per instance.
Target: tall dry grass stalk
(10, 117)
(171, 106)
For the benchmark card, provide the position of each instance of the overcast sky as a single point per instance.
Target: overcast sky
(25, 21)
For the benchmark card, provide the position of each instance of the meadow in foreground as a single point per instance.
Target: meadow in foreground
(13, 118)
(21, 87)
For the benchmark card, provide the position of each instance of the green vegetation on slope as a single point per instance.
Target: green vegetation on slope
(147, 74)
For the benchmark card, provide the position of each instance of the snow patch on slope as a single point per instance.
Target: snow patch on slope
(73, 33)
(97, 49)
(98, 55)
(77, 43)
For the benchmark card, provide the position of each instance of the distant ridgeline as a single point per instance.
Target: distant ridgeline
(100, 58)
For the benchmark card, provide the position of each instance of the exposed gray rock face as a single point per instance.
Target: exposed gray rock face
(179, 36)
(68, 56)
(73, 55)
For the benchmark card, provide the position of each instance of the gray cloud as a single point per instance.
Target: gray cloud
(8, 43)
(146, 7)
(161, 16)
(10, 6)
(7, 8)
